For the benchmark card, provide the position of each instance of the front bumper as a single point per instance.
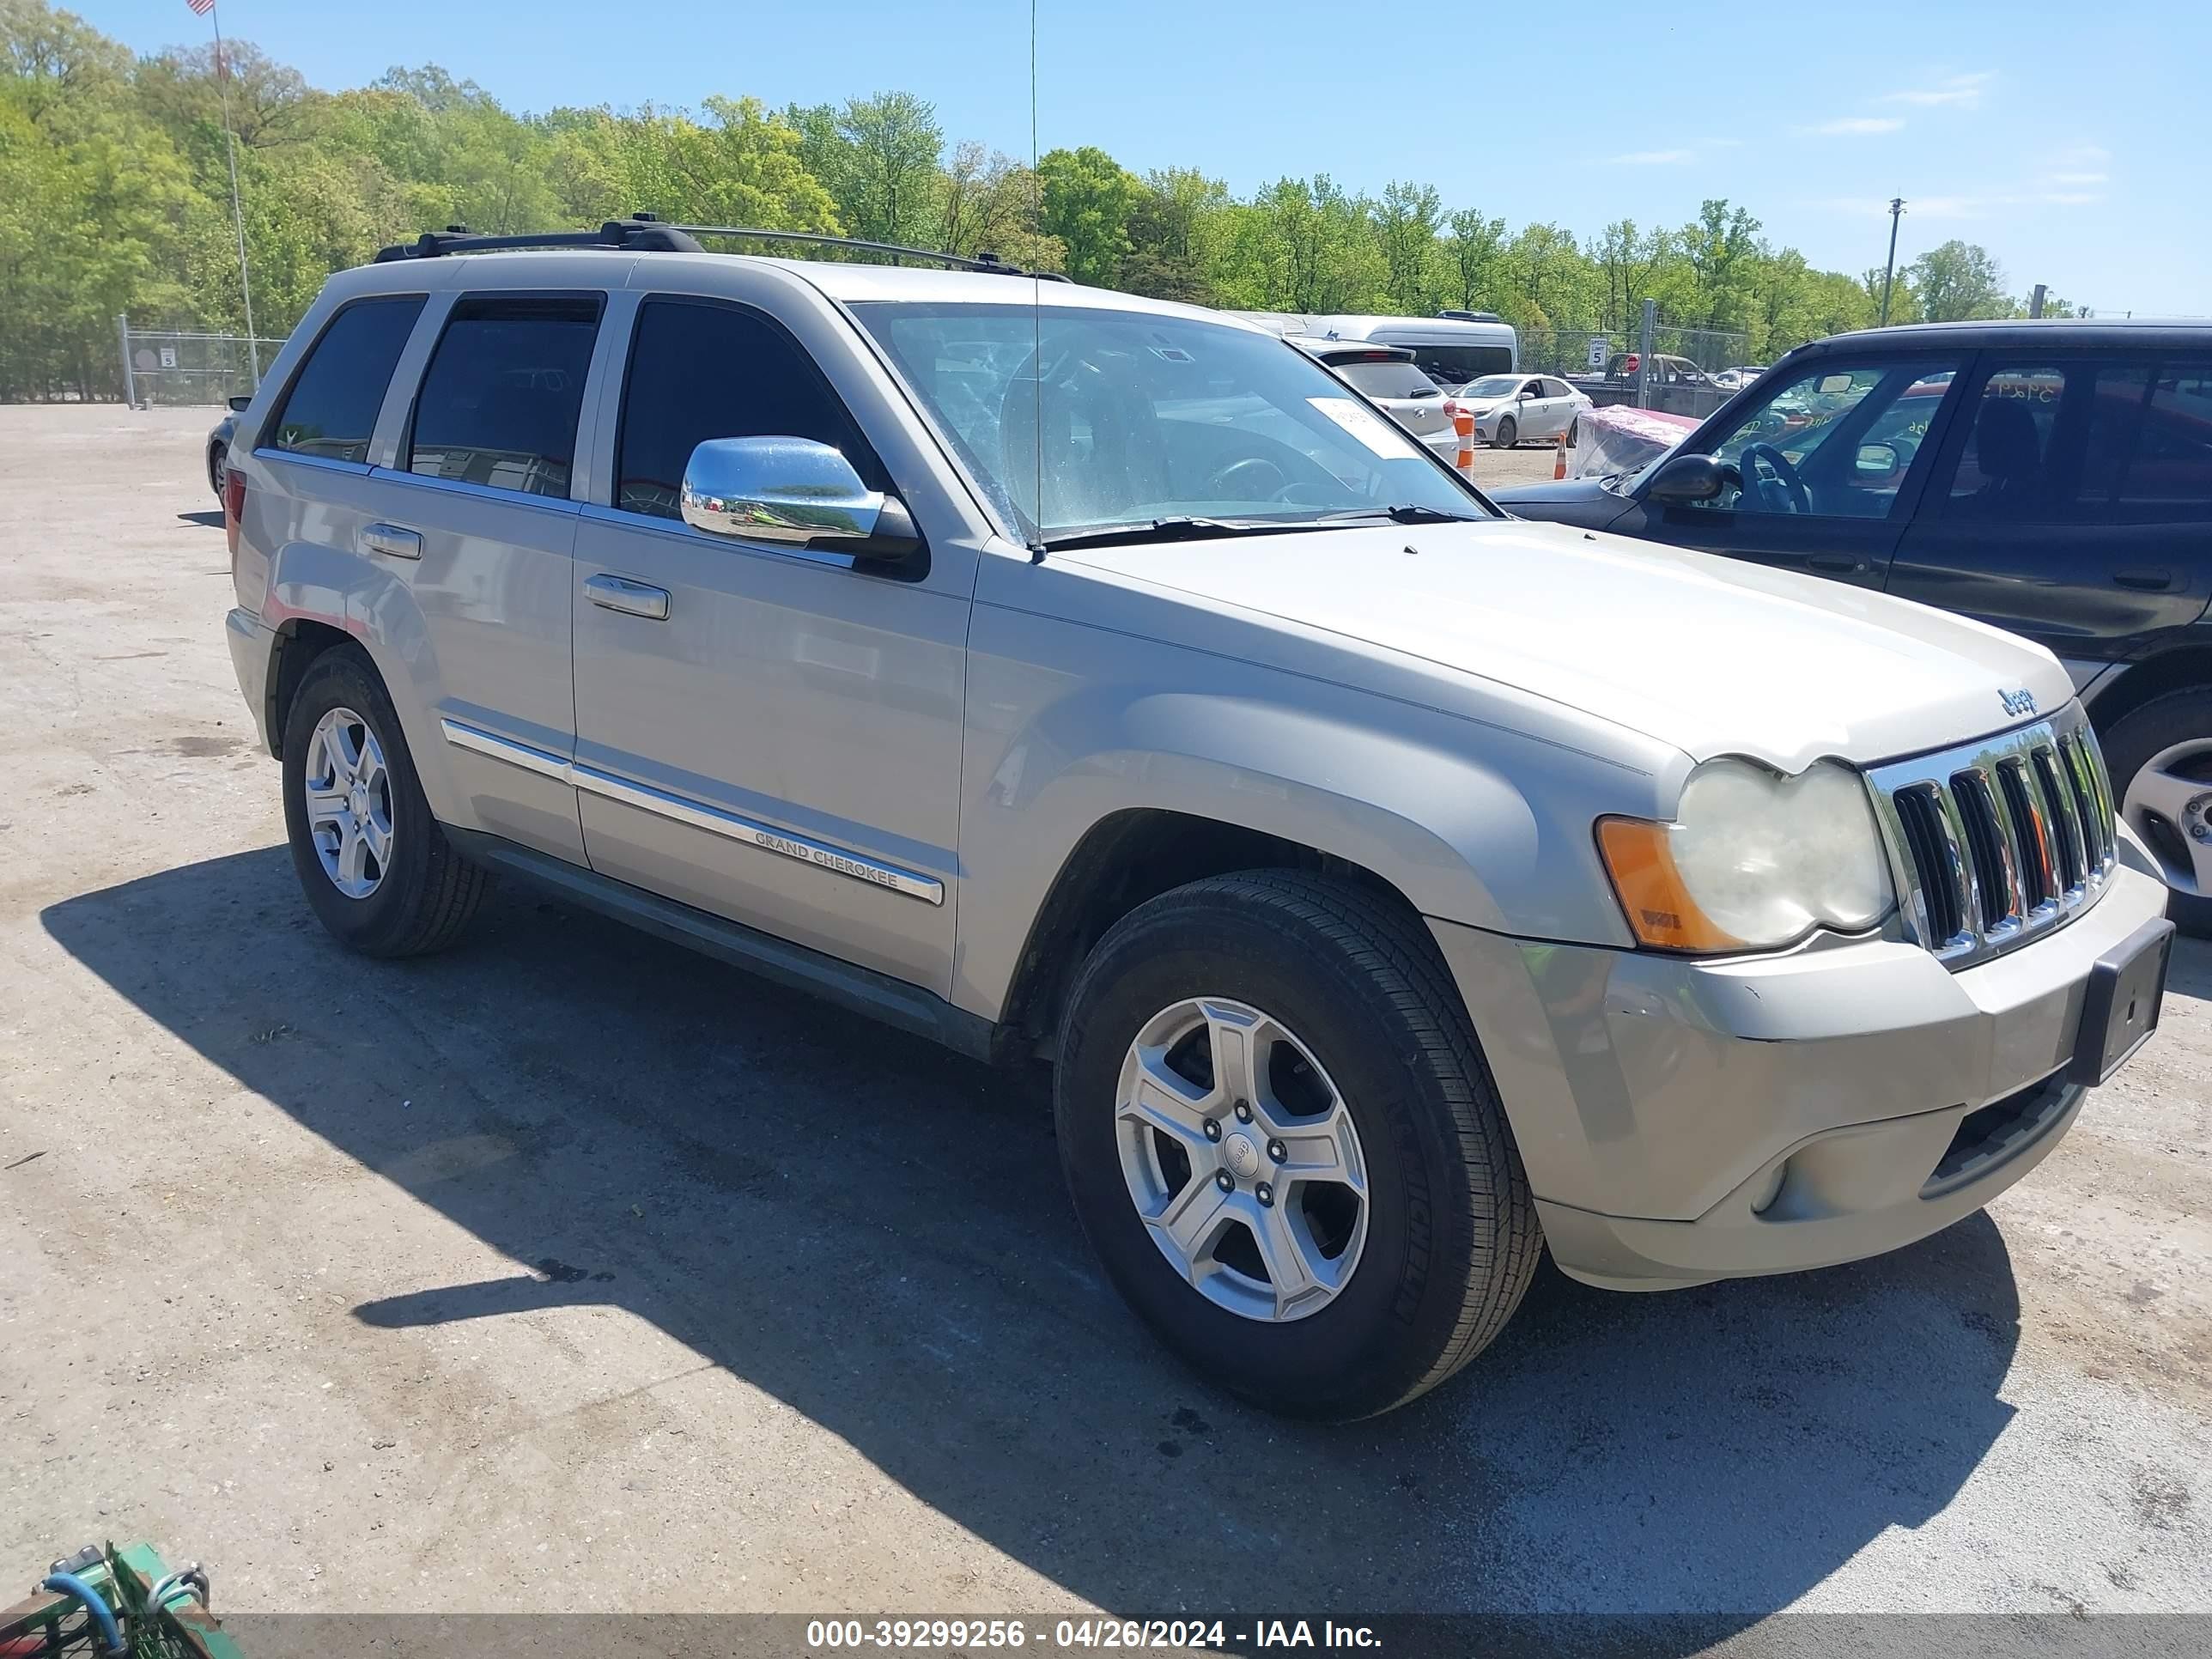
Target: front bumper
(1657, 1100)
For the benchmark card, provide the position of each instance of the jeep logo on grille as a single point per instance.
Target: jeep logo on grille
(2021, 702)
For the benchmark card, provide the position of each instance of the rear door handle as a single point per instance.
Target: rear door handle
(631, 599)
(2148, 580)
(1841, 563)
(393, 540)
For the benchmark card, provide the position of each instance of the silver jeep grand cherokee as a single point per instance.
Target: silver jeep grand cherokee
(1396, 888)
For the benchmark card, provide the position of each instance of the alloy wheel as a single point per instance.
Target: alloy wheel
(2169, 804)
(348, 789)
(1241, 1159)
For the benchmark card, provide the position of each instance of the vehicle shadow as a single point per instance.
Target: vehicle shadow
(211, 519)
(874, 1231)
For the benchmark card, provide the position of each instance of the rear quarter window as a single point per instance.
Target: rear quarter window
(329, 410)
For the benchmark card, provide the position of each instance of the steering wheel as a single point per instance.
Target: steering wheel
(1768, 475)
(1254, 479)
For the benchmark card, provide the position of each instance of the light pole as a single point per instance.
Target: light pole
(1889, 271)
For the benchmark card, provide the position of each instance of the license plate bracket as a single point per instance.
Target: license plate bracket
(2121, 1006)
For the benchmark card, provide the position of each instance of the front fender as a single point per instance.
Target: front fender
(1472, 822)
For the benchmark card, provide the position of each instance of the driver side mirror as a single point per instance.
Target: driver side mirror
(239, 405)
(1683, 480)
(794, 491)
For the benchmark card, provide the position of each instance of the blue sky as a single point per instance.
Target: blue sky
(2065, 139)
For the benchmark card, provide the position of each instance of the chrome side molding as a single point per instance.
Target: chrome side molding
(681, 809)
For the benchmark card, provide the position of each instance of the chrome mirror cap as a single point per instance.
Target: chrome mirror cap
(777, 489)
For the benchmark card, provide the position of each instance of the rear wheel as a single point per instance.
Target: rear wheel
(1282, 1140)
(1507, 433)
(376, 867)
(2160, 761)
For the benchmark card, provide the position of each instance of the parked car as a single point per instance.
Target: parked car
(1387, 377)
(1510, 409)
(1395, 889)
(1452, 347)
(219, 441)
(1735, 378)
(2053, 478)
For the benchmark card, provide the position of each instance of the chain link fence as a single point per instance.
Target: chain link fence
(178, 367)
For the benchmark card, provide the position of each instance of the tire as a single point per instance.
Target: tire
(426, 896)
(2177, 719)
(1450, 1236)
(1574, 432)
(218, 461)
(1508, 433)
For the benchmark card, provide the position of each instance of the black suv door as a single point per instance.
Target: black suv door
(1824, 466)
(2071, 501)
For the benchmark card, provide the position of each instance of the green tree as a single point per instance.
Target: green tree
(1406, 221)
(1957, 282)
(1475, 248)
(890, 185)
(1088, 200)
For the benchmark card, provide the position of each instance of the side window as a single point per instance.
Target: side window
(699, 370)
(1556, 389)
(500, 399)
(2149, 444)
(2009, 465)
(1836, 441)
(331, 407)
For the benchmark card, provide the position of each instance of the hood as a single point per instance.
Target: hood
(1710, 655)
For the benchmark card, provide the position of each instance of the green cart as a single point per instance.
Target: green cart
(107, 1601)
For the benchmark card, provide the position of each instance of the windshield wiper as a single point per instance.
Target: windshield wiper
(1178, 529)
(1404, 513)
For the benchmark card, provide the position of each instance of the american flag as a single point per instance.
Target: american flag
(201, 7)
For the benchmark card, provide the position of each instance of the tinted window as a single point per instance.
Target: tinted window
(1454, 365)
(701, 371)
(498, 404)
(1388, 379)
(331, 409)
(2149, 444)
(2008, 466)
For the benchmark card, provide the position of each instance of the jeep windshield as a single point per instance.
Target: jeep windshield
(1134, 425)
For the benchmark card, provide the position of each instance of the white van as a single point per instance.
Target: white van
(1451, 347)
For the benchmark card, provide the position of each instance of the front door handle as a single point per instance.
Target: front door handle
(631, 599)
(2144, 580)
(394, 541)
(1841, 563)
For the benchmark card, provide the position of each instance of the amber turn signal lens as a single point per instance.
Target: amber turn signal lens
(1661, 912)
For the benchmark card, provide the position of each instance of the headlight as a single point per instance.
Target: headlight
(1752, 860)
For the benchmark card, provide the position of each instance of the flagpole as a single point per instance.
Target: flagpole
(237, 215)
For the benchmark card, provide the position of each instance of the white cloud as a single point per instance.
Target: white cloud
(1651, 158)
(1856, 127)
(1957, 92)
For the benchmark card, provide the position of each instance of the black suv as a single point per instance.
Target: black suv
(2052, 478)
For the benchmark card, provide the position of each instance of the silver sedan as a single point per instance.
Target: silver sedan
(1511, 409)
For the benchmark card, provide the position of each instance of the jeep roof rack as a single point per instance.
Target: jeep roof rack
(646, 232)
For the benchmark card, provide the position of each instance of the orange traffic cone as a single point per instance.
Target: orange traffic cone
(1559, 466)
(1463, 423)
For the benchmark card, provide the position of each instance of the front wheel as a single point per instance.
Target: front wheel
(378, 870)
(2160, 761)
(1508, 432)
(1283, 1141)
(218, 465)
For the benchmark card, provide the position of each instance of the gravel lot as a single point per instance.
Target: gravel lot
(574, 1271)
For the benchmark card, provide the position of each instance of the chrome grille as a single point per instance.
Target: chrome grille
(1993, 842)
